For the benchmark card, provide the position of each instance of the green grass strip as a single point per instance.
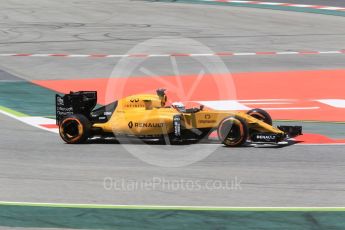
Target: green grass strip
(27, 98)
(78, 216)
(12, 112)
(162, 207)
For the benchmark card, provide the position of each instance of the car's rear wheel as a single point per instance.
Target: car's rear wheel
(261, 115)
(233, 131)
(75, 129)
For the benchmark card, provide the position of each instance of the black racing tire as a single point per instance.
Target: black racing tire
(233, 131)
(75, 129)
(261, 115)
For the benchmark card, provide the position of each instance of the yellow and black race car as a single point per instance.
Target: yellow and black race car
(146, 116)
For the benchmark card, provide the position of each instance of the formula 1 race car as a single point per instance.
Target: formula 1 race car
(146, 116)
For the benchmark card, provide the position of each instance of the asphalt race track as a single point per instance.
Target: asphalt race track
(75, 174)
(36, 166)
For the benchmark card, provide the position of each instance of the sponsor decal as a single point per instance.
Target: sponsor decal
(64, 111)
(134, 100)
(177, 125)
(134, 106)
(207, 121)
(145, 125)
(59, 101)
(61, 109)
(265, 137)
(148, 125)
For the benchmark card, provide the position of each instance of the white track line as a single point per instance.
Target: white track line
(292, 108)
(284, 4)
(218, 54)
(34, 121)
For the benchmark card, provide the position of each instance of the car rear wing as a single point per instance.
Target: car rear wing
(81, 102)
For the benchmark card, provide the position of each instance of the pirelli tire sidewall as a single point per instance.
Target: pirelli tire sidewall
(261, 115)
(75, 129)
(236, 123)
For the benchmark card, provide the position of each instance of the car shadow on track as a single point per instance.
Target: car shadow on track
(137, 141)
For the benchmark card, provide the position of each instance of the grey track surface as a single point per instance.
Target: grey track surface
(5, 76)
(42, 169)
(115, 27)
(62, 68)
(36, 166)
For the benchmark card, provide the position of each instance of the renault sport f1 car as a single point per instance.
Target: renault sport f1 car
(146, 116)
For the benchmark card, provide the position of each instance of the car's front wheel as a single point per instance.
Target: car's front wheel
(233, 131)
(261, 115)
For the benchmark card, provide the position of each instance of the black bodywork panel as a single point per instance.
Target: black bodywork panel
(83, 102)
(291, 131)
